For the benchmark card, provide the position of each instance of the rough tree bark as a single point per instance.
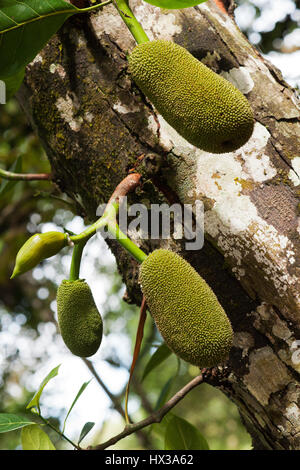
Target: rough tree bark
(95, 123)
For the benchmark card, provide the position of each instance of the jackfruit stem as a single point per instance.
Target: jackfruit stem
(108, 220)
(131, 247)
(76, 260)
(130, 20)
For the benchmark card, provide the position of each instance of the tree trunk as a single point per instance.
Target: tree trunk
(95, 123)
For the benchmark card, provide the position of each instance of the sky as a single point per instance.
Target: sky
(272, 12)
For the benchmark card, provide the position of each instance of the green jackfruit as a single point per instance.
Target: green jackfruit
(37, 248)
(185, 309)
(203, 107)
(79, 321)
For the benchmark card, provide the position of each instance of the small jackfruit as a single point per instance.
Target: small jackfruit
(79, 320)
(37, 248)
(186, 311)
(203, 107)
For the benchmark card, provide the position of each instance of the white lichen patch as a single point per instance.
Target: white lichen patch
(233, 220)
(292, 413)
(37, 60)
(224, 19)
(122, 108)
(88, 117)
(157, 23)
(110, 22)
(241, 78)
(169, 137)
(255, 65)
(257, 164)
(294, 173)
(57, 68)
(67, 109)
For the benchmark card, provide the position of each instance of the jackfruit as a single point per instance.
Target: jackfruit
(186, 311)
(203, 107)
(79, 320)
(37, 248)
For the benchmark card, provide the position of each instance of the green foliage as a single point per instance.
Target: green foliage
(35, 401)
(34, 438)
(175, 4)
(25, 28)
(10, 422)
(85, 430)
(13, 82)
(81, 390)
(30, 23)
(181, 435)
(8, 185)
(160, 355)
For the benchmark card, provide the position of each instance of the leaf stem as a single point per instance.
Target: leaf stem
(58, 432)
(130, 20)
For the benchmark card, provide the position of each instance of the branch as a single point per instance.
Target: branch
(128, 184)
(9, 175)
(156, 417)
(117, 405)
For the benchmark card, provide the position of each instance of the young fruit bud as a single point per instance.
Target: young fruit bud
(37, 248)
(185, 309)
(79, 321)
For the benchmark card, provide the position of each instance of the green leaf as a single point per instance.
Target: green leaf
(163, 396)
(25, 28)
(7, 185)
(81, 390)
(13, 83)
(175, 4)
(181, 435)
(162, 353)
(9, 422)
(35, 402)
(34, 438)
(85, 430)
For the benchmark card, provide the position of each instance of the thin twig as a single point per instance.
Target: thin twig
(156, 417)
(9, 175)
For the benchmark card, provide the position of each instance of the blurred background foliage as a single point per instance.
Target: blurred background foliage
(30, 343)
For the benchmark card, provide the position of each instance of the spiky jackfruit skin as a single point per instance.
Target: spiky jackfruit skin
(79, 321)
(186, 311)
(203, 107)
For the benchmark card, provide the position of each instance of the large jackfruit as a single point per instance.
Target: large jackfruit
(203, 107)
(185, 309)
(79, 321)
